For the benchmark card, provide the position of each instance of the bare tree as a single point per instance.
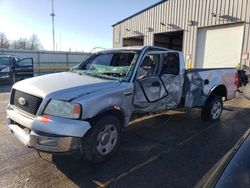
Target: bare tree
(21, 43)
(27, 44)
(34, 43)
(4, 42)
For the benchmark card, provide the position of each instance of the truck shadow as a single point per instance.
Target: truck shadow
(169, 149)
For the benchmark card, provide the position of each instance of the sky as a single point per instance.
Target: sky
(80, 25)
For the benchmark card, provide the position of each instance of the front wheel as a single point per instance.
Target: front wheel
(102, 140)
(213, 109)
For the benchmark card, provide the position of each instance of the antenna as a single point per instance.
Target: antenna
(53, 24)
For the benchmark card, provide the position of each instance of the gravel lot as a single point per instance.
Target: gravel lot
(174, 149)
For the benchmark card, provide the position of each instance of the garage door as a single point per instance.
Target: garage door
(219, 46)
(171, 40)
(133, 41)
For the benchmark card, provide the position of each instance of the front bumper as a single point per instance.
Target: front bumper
(56, 136)
(53, 144)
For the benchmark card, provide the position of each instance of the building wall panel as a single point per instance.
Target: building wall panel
(176, 14)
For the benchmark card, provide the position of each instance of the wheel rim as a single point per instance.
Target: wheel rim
(216, 110)
(107, 139)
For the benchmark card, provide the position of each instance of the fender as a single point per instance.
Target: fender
(115, 110)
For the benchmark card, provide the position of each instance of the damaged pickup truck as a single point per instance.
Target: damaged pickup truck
(85, 109)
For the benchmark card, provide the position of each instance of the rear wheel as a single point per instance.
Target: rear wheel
(102, 140)
(213, 109)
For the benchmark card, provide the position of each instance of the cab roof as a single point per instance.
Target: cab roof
(136, 48)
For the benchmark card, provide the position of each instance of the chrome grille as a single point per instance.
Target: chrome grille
(32, 102)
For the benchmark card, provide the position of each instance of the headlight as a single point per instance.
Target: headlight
(5, 69)
(63, 109)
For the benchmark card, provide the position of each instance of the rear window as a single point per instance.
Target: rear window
(171, 64)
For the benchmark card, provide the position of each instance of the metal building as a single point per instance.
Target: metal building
(211, 33)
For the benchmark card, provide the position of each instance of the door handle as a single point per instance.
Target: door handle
(156, 84)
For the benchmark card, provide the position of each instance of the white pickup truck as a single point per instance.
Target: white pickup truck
(84, 109)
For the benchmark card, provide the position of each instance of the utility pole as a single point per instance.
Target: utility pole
(53, 24)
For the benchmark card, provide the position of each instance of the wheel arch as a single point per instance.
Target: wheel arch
(114, 110)
(219, 90)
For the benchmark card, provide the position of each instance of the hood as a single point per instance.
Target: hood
(64, 86)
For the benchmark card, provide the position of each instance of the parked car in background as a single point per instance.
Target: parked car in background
(13, 68)
(86, 108)
(233, 170)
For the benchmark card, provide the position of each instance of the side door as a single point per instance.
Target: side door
(24, 68)
(172, 79)
(159, 83)
(149, 89)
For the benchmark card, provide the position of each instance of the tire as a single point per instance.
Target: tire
(102, 140)
(213, 109)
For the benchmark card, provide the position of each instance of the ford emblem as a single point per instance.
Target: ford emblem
(22, 101)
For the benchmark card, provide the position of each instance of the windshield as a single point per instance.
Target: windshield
(117, 65)
(5, 61)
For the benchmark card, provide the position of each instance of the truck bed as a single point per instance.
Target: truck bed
(199, 83)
